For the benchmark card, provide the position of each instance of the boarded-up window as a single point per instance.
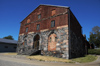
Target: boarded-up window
(38, 27)
(52, 41)
(28, 21)
(53, 12)
(23, 43)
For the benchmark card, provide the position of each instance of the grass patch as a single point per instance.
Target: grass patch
(10, 53)
(87, 58)
(49, 58)
(94, 51)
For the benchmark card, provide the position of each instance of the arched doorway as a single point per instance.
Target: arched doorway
(52, 40)
(36, 42)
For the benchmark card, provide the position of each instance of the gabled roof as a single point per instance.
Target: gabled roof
(47, 5)
(8, 41)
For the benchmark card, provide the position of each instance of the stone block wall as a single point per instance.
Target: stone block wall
(62, 49)
(77, 46)
(61, 45)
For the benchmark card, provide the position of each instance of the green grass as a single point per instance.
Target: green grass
(87, 58)
(94, 51)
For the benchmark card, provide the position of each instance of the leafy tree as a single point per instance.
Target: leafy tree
(95, 36)
(9, 37)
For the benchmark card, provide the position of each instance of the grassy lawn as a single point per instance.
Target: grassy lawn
(87, 58)
(94, 51)
(49, 58)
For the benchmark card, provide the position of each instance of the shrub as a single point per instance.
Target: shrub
(94, 51)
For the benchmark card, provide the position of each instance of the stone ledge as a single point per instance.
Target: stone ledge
(21, 34)
(30, 32)
(62, 26)
(44, 30)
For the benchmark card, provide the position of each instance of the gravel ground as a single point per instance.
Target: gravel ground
(21, 60)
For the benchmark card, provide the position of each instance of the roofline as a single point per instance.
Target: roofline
(8, 41)
(75, 18)
(29, 13)
(46, 5)
(55, 5)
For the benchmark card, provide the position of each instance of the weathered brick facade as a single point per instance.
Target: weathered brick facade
(53, 30)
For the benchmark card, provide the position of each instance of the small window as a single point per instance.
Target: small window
(38, 27)
(50, 39)
(39, 16)
(6, 46)
(25, 42)
(55, 39)
(14, 47)
(26, 29)
(53, 23)
(53, 12)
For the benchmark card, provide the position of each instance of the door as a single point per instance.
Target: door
(36, 42)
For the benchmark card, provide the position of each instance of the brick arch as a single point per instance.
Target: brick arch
(53, 32)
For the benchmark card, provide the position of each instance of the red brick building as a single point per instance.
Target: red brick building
(52, 30)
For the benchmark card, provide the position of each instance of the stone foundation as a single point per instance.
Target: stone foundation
(62, 49)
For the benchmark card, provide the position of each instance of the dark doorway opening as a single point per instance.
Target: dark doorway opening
(36, 42)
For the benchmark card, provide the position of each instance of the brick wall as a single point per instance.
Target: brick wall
(32, 20)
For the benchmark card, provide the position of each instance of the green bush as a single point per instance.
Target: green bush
(94, 51)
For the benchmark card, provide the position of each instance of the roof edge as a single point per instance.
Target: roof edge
(55, 5)
(46, 5)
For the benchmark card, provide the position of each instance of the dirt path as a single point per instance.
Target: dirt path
(23, 60)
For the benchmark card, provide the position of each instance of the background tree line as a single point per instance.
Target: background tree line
(95, 36)
(9, 37)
